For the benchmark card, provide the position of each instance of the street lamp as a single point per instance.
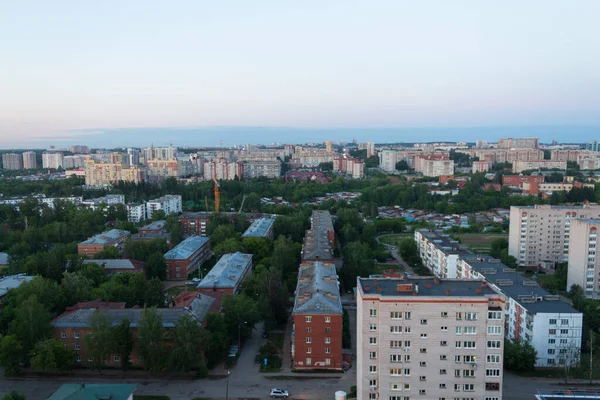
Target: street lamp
(227, 386)
(240, 334)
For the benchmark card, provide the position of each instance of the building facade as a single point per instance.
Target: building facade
(228, 274)
(52, 160)
(30, 160)
(170, 204)
(520, 166)
(583, 260)
(434, 165)
(262, 228)
(187, 256)
(518, 143)
(136, 212)
(95, 244)
(429, 338)
(105, 174)
(12, 161)
(268, 168)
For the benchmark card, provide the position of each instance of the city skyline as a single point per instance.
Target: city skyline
(107, 70)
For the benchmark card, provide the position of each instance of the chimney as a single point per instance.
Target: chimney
(483, 284)
(367, 288)
(478, 290)
(379, 290)
(447, 293)
(436, 281)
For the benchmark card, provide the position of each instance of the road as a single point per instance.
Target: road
(394, 251)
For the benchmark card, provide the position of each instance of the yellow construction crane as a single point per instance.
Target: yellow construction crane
(217, 195)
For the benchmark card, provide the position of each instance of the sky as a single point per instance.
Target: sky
(111, 73)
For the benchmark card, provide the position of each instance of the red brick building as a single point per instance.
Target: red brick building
(113, 238)
(187, 256)
(317, 319)
(117, 266)
(519, 180)
(155, 230)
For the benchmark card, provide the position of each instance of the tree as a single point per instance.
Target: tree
(175, 230)
(31, 323)
(259, 247)
(158, 215)
(151, 341)
(109, 253)
(230, 245)
(218, 338)
(123, 342)
(11, 354)
(99, 341)
(519, 356)
(51, 355)
(156, 267)
(402, 165)
(189, 345)
(241, 314)
(75, 288)
(13, 396)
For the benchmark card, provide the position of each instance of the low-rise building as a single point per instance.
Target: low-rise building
(169, 204)
(195, 223)
(109, 200)
(321, 219)
(228, 274)
(428, 338)
(317, 246)
(262, 228)
(187, 256)
(113, 238)
(113, 267)
(317, 319)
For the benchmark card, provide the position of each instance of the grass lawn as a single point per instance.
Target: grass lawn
(481, 240)
(175, 290)
(379, 268)
(395, 240)
(277, 340)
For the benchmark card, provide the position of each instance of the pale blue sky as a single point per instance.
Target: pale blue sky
(93, 66)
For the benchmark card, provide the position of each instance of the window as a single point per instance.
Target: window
(423, 322)
(372, 312)
(443, 357)
(423, 336)
(493, 358)
(395, 386)
(407, 358)
(90, 359)
(458, 330)
(551, 331)
(308, 361)
(407, 329)
(394, 344)
(458, 344)
(564, 331)
(493, 344)
(308, 350)
(564, 321)
(459, 316)
(444, 314)
(444, 329)
(395, 358)
(396, 371)
(407, 343)
(308, 329)
(443, 372)
(395, 329)
(327, 329)
(456, 387)
(494, 330)
(328, 340)
(407, 372)
(443, 343)
(469, 359)
(372, 396)
(492, 386)
(327, 319)
(468, 387)
(308, 340)
(563, 341)
(422, 391)
(308, 318)
(77, 346)
(495, 315)
(373, 355)
(551, 351)
(457, 373)
(116, 358)
(373, 383)
(471, 316)
(469, 345)
(423, 363)
(470, 330)
(63, 335)
(492, 372)
(78, 359)
(492, 398)
(396, 315)
(423, 350)
(407, 315)
(76, 335)
(373, 369)
(442, 386)
(372, 327)
(372, 340)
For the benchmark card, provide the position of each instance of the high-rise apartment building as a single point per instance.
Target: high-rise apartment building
(158, 170)
(388, 160)
(29, 160)
(584, 259)
(592, 146)
(12, 161)
(104, 174)
(257, 168)
(52, 160)
(73, 162)
(518, 143)
(520, 166)
(133, 156)
(429, 338)
(434, 164)
(328, 146)
(370, 149)
(223, 170)
(78, 148)
(540, 234)
(159, 153)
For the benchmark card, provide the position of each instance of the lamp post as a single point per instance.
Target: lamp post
(240, 334)
(227, 386)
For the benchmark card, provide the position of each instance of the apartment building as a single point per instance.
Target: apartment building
(154, 230)
(565, 155)
(481, 166)
(52, 160)
(195, 223)
(170, 204)
(349, 166)
(113, 238)
(520, 181)
(584, 265)
(136, 212)
(108, 200)
(539, 234)
(159, 153)
(78, 148)
(317, 319)
(551, 326)
(261, 228)
(30, 160)
(589, 161)
(520, 166)
(74, 162)
(222, 170)
(105, 174)
(434, 165)
(228, 274)
(317, 246)
(388, 160)
(118, 266)
(159, 170)
(518, 143)
(257, 168)
(187, 256)
(429, 338)
(12, 161)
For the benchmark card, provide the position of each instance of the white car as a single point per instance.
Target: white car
(278, 393)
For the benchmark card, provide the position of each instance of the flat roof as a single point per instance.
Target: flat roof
(81, 391)
(113, 264)
(186, 248)
(228, 272)
(154, 226)
(79, 318)
(425, 287)
(4, 258)
(106, 237)
(317, 291)
(260, 227)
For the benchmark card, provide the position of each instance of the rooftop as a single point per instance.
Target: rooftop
(318, 289)
(12, 282)
(79, 318)
(114, 264)
(199, 303)
(186, 248)
(260, 227)
(568, 394)
(100, 391)
(227, 272)
(154, 226)
(425, 287)
(4, 258)
(317, 245)
(321, 219)
(106, 237)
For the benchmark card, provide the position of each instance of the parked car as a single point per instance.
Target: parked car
(278, 393)
(257, 358)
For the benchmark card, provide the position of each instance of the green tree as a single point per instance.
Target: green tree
(222, 233)
(402, 165)
(188, 350)
(241, 314)
(93, 272)
(519, 356)
(158, 215)
(231, 245)
(99, 341)
(11, 354)
(31, 323)
(75, 287)
(156, 267)
(109, 253)
(175, 230)
(218, 338)
(51, 355)
(151, 341)
(358, 261)
(123, 342)
(13, 396)
(259, 247)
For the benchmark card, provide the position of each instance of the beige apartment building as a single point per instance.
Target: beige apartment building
(104, 174)
(520, 166)
(584, 265)
(518, 143)
(427, 338)
(540, 234)
(434, 164)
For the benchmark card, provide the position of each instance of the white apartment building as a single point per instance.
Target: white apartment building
(388, 160)
(427, 338)
(109, 200)
(222, 170)
(29, 160)
(584, 264)
(520, 166)
(539, 235)
(12, 161)
(170, 204)
(52, 160)
(267, 168)
(434, 166)
(518, 143)
(551, 326)
(136, 212)
(73, 162)
(159, 153)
